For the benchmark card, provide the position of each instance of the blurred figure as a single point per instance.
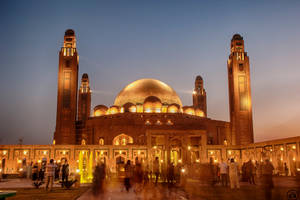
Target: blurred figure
(42, 171)
(286, 169)
(212, 172)
(65, 173)
(170, 176)
(233, 174)
(98, 179)
(138, 176)
(267, 180)
(50, 172)
(35, 171)
(156, 169)
(223, 172)
(29, 170)
(128, 175)
(146, 175)
(250, 171)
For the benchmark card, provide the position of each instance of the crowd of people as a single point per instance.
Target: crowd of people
(48, 173)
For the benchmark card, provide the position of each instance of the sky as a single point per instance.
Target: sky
(171, 40)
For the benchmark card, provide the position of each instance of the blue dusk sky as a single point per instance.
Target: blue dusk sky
(173, 41)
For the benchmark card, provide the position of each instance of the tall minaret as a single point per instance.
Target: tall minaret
(240, 93)
(67, 91)
(84, 98)
(199, 96)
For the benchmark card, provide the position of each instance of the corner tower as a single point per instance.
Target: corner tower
(84, 99)
(67, 91)
(239, 93)
(199, 96)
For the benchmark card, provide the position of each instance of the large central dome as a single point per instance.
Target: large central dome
(137, 91)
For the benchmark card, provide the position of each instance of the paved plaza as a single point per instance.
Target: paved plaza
(192, 190)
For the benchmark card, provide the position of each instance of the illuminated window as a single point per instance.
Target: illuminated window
(122, 139)
(101, 141)
(83, 142)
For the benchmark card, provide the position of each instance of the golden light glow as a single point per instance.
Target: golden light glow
(83, 142)
(155, 147)
(211, 152)
(294, 146)
(180, 161)
(77, 161)
(120, 152)
(281, 148)
(189, 147)
(148, 110)
(229, 152)
(216, 160)
(64, 152)
(39, 161)
(132, 109)
(45, 152)
(21, 169)
(281, 159)
(54, 142)
(194, 92)
(294, 159)
(161, 161)
(19, 161)
(182, 170)
(139, 152)
(4, 152)
(25, 152)
(197, 160)
(77, 171)
(271, 149)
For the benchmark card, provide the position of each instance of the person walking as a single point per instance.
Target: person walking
(35, 171)
(128, 175)
(250, 170)
(267, 180)
(65, 173)
(156, 169)
(223, 172)
(233, 174)
(50, 172)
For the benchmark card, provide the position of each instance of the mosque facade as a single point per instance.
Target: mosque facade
(147, 120)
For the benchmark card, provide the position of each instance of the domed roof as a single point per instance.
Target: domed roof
(152, 99)
(138, 91)
(237, 37)
(69, 32)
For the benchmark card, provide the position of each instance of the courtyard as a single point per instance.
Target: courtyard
(114, 190)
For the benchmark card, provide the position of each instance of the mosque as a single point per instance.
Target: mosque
(147, 120)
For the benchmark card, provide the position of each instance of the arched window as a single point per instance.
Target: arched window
(122, 139)
(83, 142)
(101, 141)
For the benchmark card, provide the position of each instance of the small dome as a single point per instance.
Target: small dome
(173, 108)
(129, 107)
(199, 112)
(85, 75)
(188, 110)
(237, 37)
(100, 110)
(69, 32)
(113, 110)
(152, 104)
(152, 99)
(199, 78)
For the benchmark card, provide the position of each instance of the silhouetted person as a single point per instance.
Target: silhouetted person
(250, 171)
(138, 176)
(286, 169)
(267, 181)
(65, 173)
(98, 179)
(35, 171)
(128, 175)
(156, 169)
(170, 173)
